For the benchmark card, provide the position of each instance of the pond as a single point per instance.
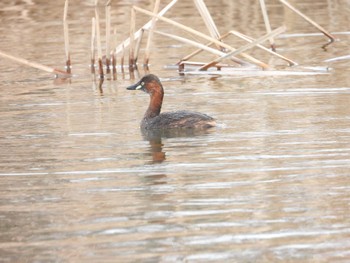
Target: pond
(80, 183)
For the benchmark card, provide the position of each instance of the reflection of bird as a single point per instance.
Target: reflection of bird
(154, 120)
(156, 150)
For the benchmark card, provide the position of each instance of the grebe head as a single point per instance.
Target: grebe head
(149, 83)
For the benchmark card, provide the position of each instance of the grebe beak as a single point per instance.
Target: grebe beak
(137, 86)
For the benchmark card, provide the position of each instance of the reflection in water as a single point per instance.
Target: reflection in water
(97, 83)
(155, 139)
(156, 150)
(174, 133)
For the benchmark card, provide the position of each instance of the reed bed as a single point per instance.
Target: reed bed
(225, 53)
(213, 43)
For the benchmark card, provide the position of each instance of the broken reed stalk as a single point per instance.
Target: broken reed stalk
(132, 38)
(250, 40)
(267, 23)
(98, 40)
(244, 37)
(208, 20)
(309, 20)
(137, 34)
(239, 61)
(193, 43)
(35, 65)
(66, 37)
(204, 36)
(246, 47)
(196, 52)
(93, 40)
(108, 35)
(150, 34)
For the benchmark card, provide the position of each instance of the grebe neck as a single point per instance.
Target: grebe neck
(155, 104)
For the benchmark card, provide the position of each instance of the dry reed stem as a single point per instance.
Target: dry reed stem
(137, 34)
(114, 55)
(98, 40)
(208, 20)
(309, 20)
(196, 63)
(250, 40)
(132, 38)
(138, 45)
(122, 58)
(150, 34)
(267, 23)
(204, 36)
(35, 65)
(246, 47)
(114, 66)
(208, 44)
(196, 52)
(108, 35)
(200, 50)
(93, 40)
(193, 43)
(246, 38)
(66, 37)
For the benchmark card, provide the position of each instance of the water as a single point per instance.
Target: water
(79, 182)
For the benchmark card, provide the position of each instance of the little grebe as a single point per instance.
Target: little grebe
(154, 120)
